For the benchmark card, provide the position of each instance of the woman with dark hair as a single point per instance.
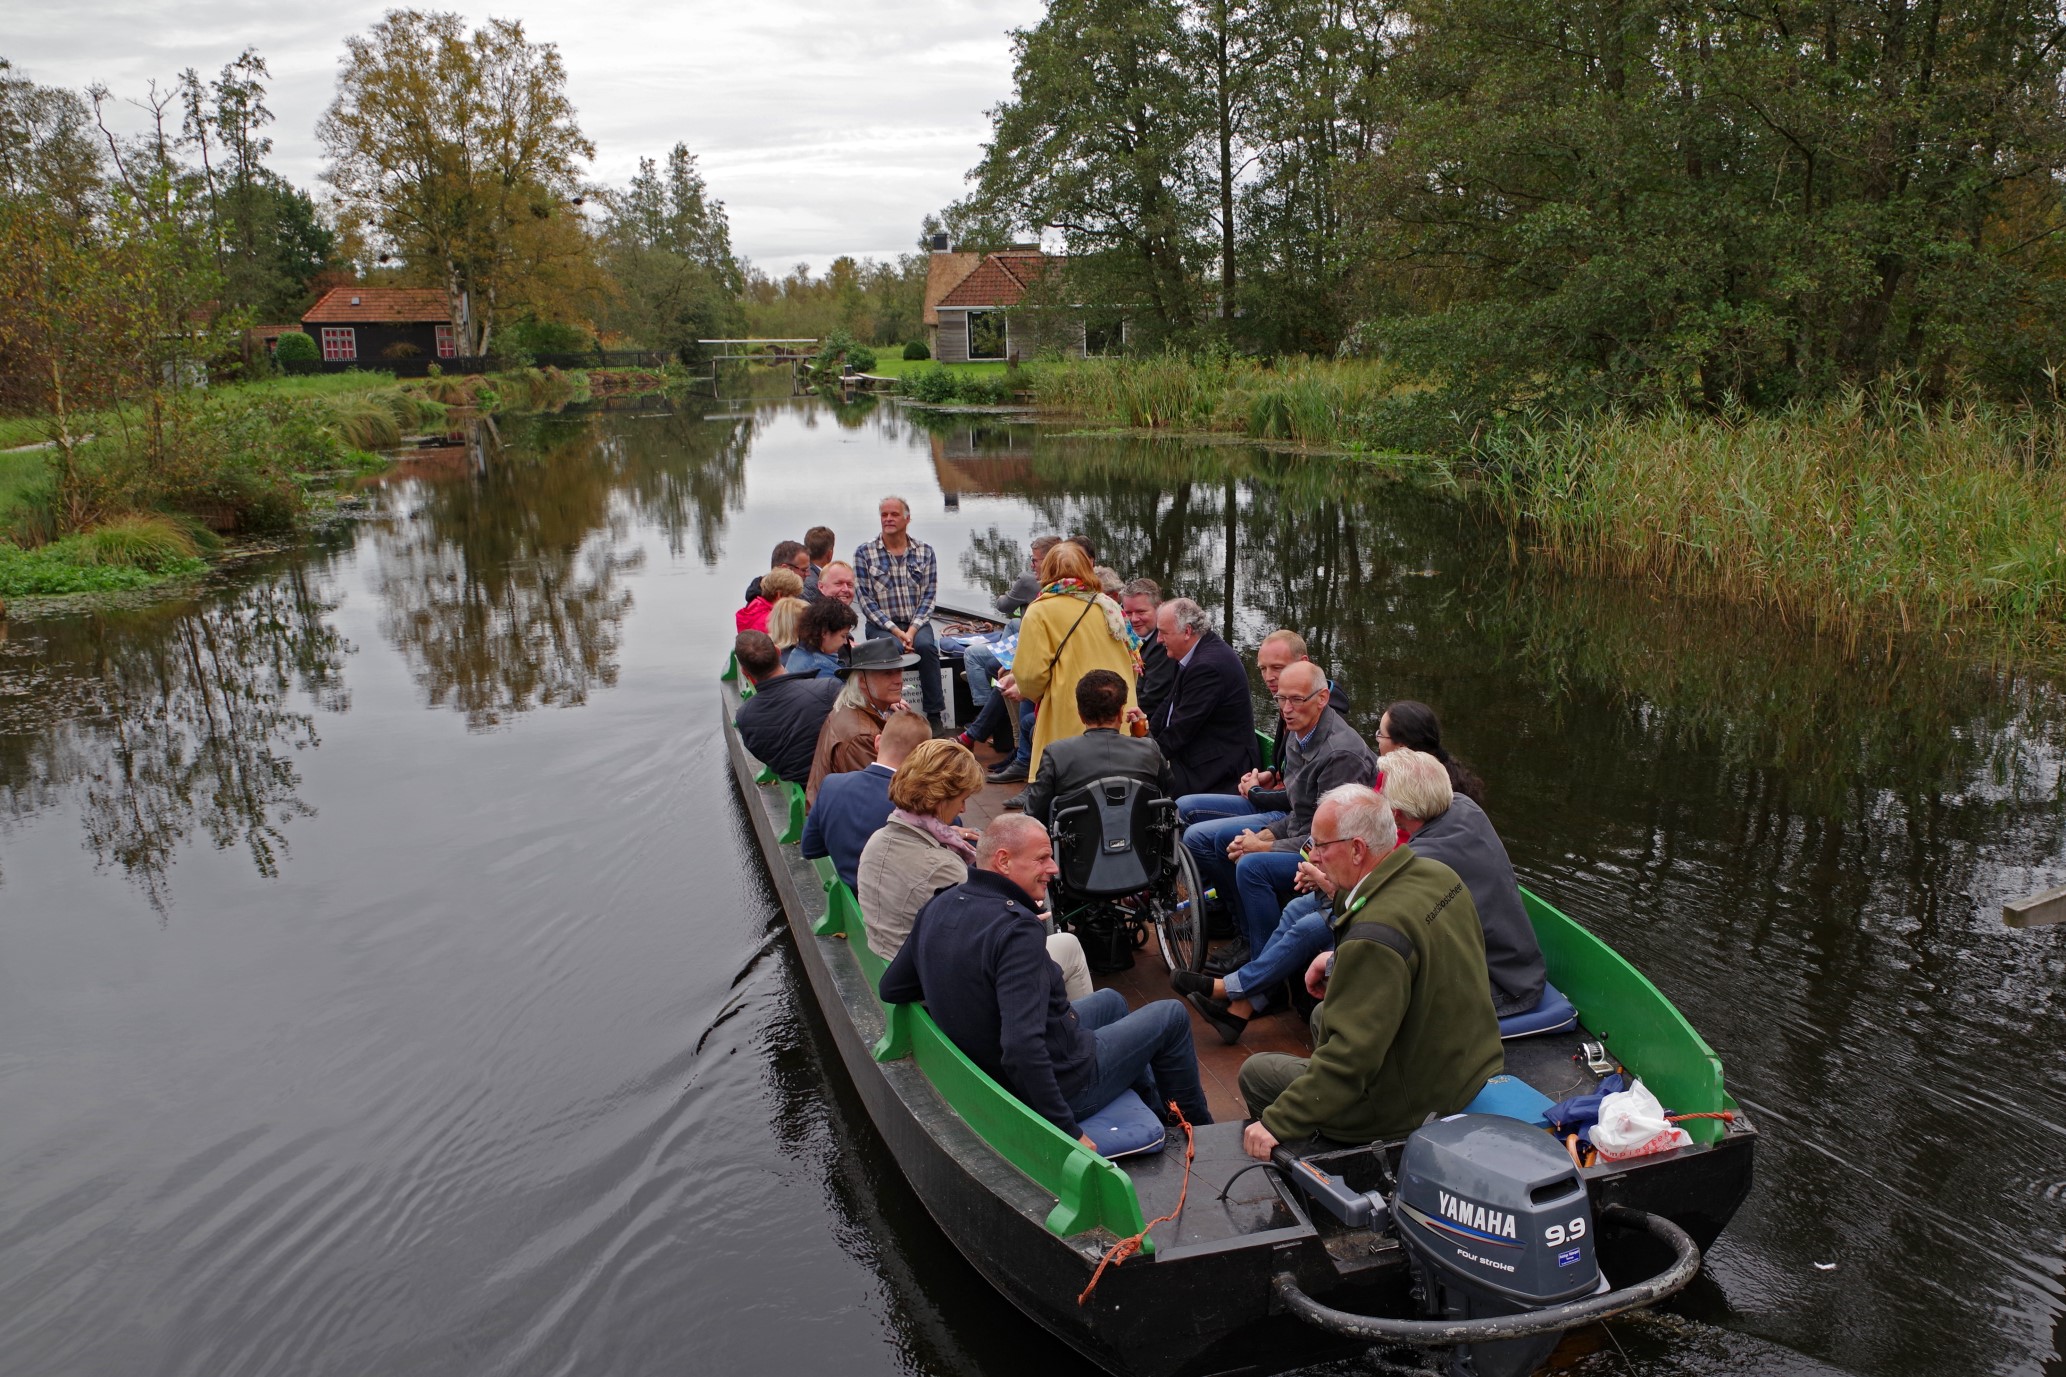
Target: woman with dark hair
(824, 629)
(1413, 726)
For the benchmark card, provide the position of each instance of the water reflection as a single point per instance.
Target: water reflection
(1804, 847)
(174, 721)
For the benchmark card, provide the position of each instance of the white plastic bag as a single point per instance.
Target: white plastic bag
(1632, 1124)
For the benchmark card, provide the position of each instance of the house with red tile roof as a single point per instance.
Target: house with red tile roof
(372, 326)
(975, 306)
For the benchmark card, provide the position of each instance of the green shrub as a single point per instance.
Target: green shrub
(296, 347)
(942, 386)
(137, 541)
(366, 423)
(916, 352)
(51, 571)
(839, 348)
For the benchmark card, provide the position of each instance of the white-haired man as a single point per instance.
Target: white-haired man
(896, 581)
(1407, 1027)
(1445, 826)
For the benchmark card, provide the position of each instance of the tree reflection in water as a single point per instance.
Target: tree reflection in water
(504, 591)
(171, 720)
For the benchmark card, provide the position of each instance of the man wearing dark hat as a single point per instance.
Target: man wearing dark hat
(874, 689)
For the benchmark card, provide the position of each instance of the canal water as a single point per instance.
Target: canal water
(386, 985)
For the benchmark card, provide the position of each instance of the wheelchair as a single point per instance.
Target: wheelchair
(1125, 876)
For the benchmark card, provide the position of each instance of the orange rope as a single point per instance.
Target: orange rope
(1127, 1247)
(1727, 1116)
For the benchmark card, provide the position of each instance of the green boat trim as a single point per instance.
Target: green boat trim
(1648, 1036)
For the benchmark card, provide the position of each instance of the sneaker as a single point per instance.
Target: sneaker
(1227, 959)
(1010, 772)
(1190, 983)
(1228, 1025)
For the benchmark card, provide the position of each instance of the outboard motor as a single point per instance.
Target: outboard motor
(1495, 1221)
(1498, 1230)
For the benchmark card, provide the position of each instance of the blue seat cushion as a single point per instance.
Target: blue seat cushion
(1510, 1097)
(1552, 1014)
(1125, 1126)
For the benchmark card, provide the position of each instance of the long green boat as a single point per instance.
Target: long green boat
(1248, 1277)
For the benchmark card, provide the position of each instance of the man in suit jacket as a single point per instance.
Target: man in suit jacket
(853, 805)
(1207, 728)
(1102, 752)
(1139, 601)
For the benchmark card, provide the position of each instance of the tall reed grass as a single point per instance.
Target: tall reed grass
(1304, 401)
(1841, 513)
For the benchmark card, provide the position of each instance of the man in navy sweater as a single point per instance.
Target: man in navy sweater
(978, 958)
(852, 807)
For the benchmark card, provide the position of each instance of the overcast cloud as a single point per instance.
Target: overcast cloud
(826, 128)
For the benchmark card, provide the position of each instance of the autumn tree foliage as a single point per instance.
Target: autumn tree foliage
(459, 152)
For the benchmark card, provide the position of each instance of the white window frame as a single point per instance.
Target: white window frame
(448, 345)
(340, 344)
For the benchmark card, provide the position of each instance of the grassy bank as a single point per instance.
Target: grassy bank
(1844, 514)
(1861, 511)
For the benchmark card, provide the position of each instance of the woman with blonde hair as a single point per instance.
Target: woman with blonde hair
(922, 850)
(1071, 629)
(783, 619)
(775, 585)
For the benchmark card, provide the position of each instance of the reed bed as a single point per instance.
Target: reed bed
(1327, 403)
(1842, 513)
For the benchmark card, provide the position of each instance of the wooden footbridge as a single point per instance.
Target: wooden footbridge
(768, 353)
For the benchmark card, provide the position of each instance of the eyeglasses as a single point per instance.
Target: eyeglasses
(1314, 846)
(1292, 700)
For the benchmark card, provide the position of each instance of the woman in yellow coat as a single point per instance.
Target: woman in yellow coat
(1071, 629)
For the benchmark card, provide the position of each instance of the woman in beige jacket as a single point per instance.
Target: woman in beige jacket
(921, 851)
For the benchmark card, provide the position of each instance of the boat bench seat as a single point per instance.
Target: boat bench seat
(1552, 1014)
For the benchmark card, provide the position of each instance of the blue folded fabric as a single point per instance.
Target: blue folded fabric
(1510, 1097)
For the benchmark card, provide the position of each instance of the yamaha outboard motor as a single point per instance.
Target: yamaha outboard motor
(1495, 1221)
(1498, 1229)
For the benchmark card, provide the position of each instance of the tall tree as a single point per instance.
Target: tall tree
(462, 152)
(1594, 198)
(667, 252)
(48, 154)
(1102, 139)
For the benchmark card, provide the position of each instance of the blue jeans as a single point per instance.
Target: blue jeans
(1305, 930)
(1148, 1050)
(1212, 807)
(990, 721)
(1207, 841)
(928, 652)
(980, 666)
(1262, 885)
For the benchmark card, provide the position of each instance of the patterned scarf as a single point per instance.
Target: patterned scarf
(939, 832)
(1115, 620)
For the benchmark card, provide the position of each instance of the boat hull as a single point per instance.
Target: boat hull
(1197, 1305)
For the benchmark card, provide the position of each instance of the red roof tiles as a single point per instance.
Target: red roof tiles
(999, 280)
(380, 305)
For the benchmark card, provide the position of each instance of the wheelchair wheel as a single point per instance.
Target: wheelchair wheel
(1180, 917)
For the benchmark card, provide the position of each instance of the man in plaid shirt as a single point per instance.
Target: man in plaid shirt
(896, 580)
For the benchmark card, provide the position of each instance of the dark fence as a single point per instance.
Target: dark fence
(484, 363)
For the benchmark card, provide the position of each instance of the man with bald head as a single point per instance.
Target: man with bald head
(977, 956)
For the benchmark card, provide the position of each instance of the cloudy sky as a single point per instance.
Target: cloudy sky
(826, 128)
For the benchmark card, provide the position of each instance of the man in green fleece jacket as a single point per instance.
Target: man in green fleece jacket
(1407, 1029)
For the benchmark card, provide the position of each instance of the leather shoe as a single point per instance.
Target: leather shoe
(1227, 959)
(1229, 1026)
(1010, 772)
(1190, 983)
(1016, 803)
